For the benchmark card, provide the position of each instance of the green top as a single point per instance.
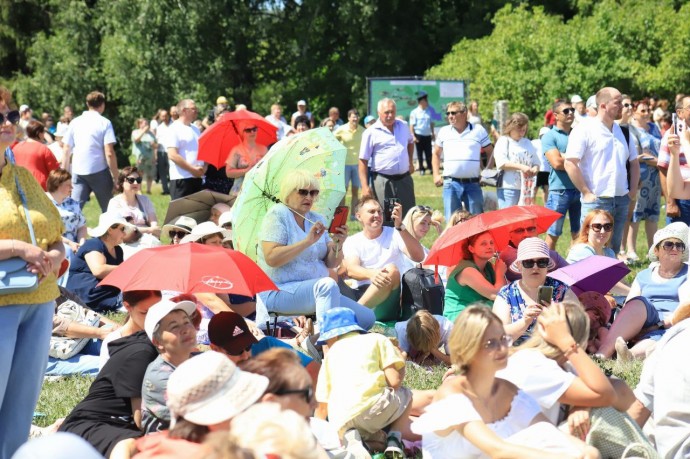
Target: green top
(458, 297)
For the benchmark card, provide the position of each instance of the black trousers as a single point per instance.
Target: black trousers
(184, 187)
(423, 151)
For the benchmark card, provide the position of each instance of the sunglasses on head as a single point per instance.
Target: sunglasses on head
(597, 227)
(13, 117)
(540, 262)
(177, 234)
(241, 351)
(133, 180)
(305, 193)
(529, 229)
(568, 111)
(495, 344)
(307, 392)
(670, 245)
(252, 129)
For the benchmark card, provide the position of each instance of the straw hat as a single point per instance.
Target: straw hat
(108, 219)
(677, 230)
(337, 322)
(180, 223)
(532, 248)
(209, 389)
(205, 229)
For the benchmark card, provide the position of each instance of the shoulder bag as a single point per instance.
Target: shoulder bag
(491, 177)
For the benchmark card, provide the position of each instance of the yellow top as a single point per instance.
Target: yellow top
(351, 378)
(46, 220)
(352, 141)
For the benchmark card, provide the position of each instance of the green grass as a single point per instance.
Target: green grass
(59, 397)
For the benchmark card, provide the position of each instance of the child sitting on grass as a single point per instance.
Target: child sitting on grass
(422, 335)
(360, 384)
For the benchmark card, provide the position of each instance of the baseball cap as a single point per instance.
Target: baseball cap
(301, 102)
(422, 95)
(24, 108)
(575, 99)
(221, 101)
(368, 119)
(591, 102)
(230, 331)
(161, 309)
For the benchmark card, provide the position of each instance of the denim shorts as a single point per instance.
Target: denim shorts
(564, 201)
(352, 174)
(653, 318)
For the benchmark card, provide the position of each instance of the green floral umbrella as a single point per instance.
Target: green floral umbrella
(316, 151)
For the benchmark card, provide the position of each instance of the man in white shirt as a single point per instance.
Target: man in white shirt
(89, 147)
(461, 144)
(373, 258)
(302, 111)
(182, 145)
(277, 119)
(597, 159)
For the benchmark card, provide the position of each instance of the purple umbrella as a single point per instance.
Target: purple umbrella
(593, 274)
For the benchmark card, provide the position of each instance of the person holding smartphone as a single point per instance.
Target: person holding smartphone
(519, 303)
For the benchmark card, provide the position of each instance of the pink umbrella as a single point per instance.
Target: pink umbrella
(593, 274)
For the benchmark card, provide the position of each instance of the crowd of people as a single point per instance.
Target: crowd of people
(207, 375)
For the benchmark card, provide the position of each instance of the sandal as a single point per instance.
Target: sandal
(394, 446)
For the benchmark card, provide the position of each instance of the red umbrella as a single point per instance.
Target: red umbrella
(217, 141)
(190, 268)
(447, 250)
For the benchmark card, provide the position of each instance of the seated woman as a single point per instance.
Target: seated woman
(296, 253)
(517, 304)
(595, 234)
(178, 228)
(553, 367)
(417, 222)
(131, 203)
(476, 414)
(97, 258)
(474, 279)
(653, 296)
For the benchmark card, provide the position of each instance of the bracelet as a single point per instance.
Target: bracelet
(571, 350)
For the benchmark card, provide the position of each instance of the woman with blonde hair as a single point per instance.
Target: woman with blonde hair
(476, 414)
(516, 157)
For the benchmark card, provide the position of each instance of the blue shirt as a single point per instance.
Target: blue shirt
(556, 138)
(386, 150)
(420, 120)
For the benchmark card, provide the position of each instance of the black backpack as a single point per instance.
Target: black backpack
(420, 291)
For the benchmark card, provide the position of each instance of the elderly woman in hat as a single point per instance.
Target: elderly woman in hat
(518, 304)
(178, 228)
(97, 258)
(653, 296)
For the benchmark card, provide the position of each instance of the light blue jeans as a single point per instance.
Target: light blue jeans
(313, 296)
(618, 207)
(507, 197)
(456, 193)
(24, 341)
(86, 362)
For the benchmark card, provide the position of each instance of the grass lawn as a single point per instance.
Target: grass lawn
(59, 397)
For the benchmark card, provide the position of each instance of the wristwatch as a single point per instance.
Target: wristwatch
(401, 227)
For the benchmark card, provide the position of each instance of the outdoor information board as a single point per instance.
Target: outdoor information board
(405, 91)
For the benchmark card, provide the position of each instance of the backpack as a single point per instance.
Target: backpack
(421, 291)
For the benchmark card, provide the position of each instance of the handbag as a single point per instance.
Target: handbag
(62, 347)
(491, 177)
(616, 434)
(14, 278)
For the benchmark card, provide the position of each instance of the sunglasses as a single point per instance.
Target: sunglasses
(307, 393)
(568, 111)
(628, 105)
(227, 225)
(540, 262)
(305, 193)
(13, 117)
(177, 234)
(597, 227)
(669, 245)
(253, 129)
(529, 229)
(423, 209)
(242, 351)
(460, 112)
(495, 344)
(133, 180)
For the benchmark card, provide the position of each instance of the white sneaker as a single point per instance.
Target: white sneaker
(353, 444)
(394, 449)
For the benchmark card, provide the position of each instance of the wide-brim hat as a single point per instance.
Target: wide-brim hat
(225, 217)
(161, 309)
(677, 230)
(108, 219)
(180, 223)
(209, 389)
(532, 248)
(205, 229)
(337, 322)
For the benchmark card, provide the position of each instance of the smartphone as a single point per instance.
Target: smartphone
(678, 124)
(339, 218)
(389, 205)
(545, 294)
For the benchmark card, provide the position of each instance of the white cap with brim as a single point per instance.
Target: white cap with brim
(225, 217)
(108, 219)
(161, 309)
(301, 102)
(209, 389)
(575, 99)
(205, 229)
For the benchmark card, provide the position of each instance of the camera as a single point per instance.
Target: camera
(388, 206)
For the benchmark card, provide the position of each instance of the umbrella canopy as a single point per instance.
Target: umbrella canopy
(223, 135)
(197, 205)
(593, 274)
(447, 250)
(190, 268)
(316, 151)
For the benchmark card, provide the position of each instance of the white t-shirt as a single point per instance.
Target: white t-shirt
(87, 135)
(540, 377)
(508, 150)
(462, 150)
(281, 125)
(375, 253)
(446, 327)
(544, 165)
(186, 140)
(603, 156)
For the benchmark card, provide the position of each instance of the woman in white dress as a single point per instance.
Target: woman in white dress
(476, 415)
